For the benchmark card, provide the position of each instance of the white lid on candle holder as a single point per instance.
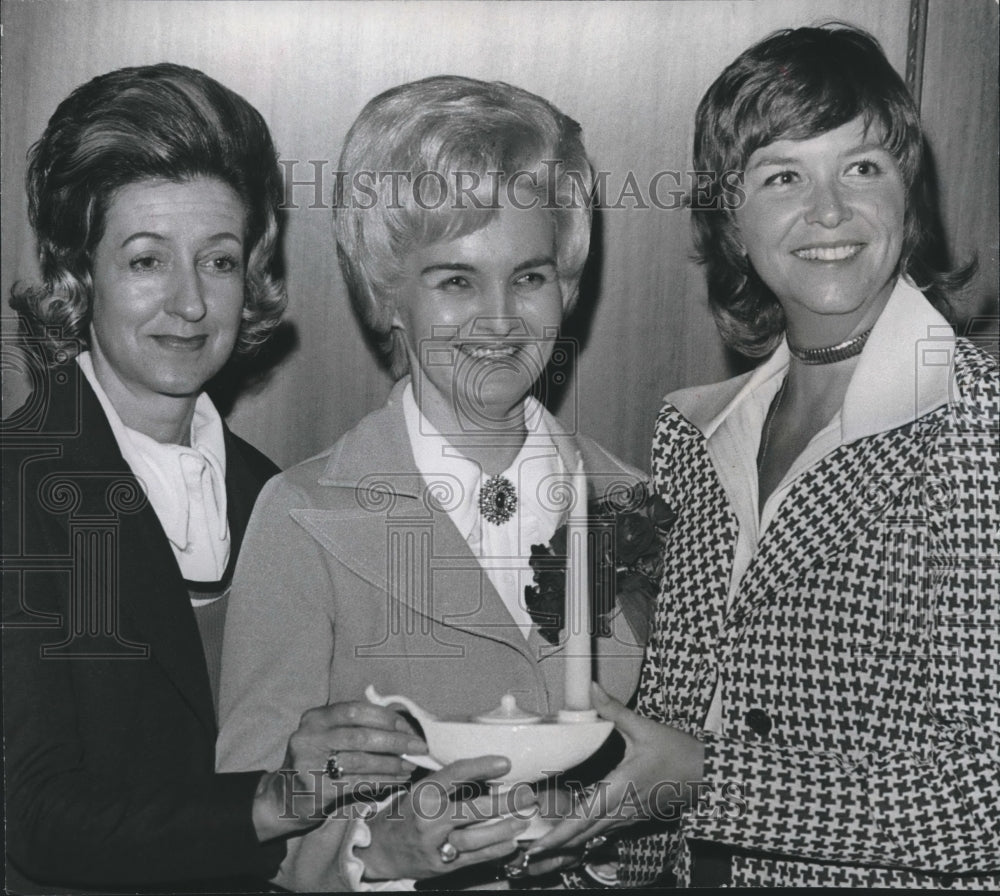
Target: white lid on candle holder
(508, 713)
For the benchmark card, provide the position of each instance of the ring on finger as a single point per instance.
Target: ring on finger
(448, 852)
(333, 769)
(595, 843)
(518, 868)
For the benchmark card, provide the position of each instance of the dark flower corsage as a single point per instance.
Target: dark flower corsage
(626, 534)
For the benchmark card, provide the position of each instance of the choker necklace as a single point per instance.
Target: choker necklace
(497, 500)
(832, 353)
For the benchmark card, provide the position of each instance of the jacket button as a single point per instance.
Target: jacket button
(758, 721)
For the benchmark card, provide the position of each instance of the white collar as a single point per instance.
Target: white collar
(904, 372)
(158, 468)
(536, 463)
(775, 366)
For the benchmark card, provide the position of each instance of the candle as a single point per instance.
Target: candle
(578, 642)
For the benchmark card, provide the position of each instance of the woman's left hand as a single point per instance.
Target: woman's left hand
(411, 837)
(337, 751)
(354, 743)
(651, 782)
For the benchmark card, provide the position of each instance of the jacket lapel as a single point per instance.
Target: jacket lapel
(835, 503)
(161, 610)
(153, 599)
(383, 524)
(692, 607)
(242, 487)
(863, 482)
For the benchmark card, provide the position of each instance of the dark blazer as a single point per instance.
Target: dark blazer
(109, 723)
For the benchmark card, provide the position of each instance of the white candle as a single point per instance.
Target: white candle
(578, 643)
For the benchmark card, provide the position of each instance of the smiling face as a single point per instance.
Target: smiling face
(168, 293)
(822, 225)
(480, 315)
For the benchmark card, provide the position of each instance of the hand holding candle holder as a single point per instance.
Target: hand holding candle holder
(536, 747)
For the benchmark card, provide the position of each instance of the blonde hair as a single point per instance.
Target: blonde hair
(468, 139)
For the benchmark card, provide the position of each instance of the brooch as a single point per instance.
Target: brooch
(497, 500)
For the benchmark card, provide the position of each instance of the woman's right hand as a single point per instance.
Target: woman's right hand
(365, 742)
(654, 780)
(407, 836)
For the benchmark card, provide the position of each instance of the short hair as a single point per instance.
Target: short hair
(466, 139)
(794, 85)
(147, 123)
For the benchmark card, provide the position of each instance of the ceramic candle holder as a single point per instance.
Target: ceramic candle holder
(536, 747)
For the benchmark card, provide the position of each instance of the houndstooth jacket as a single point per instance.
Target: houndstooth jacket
(859, 662)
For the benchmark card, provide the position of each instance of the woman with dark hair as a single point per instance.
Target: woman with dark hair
(154, 195)
(820, 702)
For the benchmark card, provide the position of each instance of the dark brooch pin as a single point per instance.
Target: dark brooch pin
(498, 500)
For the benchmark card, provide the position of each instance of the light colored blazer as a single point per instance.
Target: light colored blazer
(351, 575)
(859, 662)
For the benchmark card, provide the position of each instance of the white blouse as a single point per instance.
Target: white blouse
(185, 485)
(502, 550)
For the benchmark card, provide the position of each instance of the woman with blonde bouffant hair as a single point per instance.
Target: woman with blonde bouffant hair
(399, 558)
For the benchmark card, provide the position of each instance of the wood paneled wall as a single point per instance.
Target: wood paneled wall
(631, 73)
(961, 115)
